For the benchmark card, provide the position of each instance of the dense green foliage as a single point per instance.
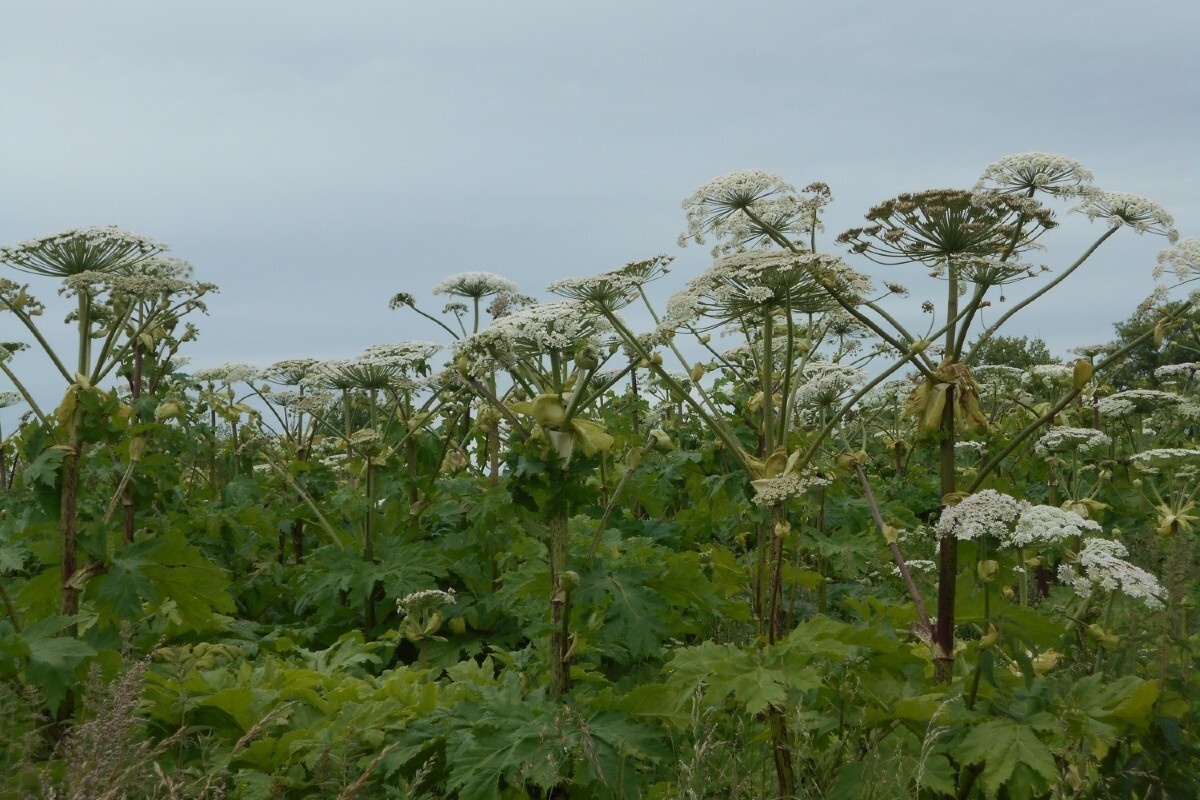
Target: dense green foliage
(834, 561)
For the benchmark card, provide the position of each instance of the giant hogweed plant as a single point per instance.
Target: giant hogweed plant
(128, 298)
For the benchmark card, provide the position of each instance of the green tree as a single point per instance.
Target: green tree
(1013, 351)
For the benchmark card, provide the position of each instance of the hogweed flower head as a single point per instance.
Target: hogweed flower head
(939, 224)
(614, 289)
(1045, 525)
(1026, 173)
(1122, 209)
(1183, 259)
(227, 374)
(1063, 440)
(425, 599)
(1138, 401)
(475, 285)
(986, 513)
(289, 372)
(826, 385)
(758, 282)
(8, 399)
(724, 206)
(1102, 564)
(81, 250)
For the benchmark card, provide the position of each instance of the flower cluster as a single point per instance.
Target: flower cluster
(1048, 525)
(1183, 259)
(1101, 563)
(79, 250)
(1142, 401)
(424, 600)
(289, 372)
(1165, 456)
(747, 209)
(1014, 523)
(1037, 172)
(940, 224)
(1187, 370)
(616, 288)
(472, 284)
(1062, 440)
(226, 373)
(827, 384)
(776, 491)
(986, 513)
(1129, 210)
(756, 282)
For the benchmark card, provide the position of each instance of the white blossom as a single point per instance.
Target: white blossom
(226, 373)
(475, 285)
(1039, 525)
(1129, 210)
(425, 600)
(79, 250)
(1137, 400)
(1101, 563)
(986, 513)
(1061, 440)
(1183, 259)
(1188, 370)
(615, 288)
(719, 207)
(1045, 172)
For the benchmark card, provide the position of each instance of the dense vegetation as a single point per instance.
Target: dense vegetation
(550, 556)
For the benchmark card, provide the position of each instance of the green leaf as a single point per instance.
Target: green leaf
(1003, 746)
(53, 658)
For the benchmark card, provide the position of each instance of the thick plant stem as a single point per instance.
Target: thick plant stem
(560, 677)
(947, 553)
(68, 518)
(781, 752)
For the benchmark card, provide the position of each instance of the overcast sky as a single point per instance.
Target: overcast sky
(314, 158)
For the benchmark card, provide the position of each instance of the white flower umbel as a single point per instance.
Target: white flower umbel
(986, 513)
(724, 206)
(1183, 259)
(776, 491)
(475, 285)
(1037, 172)
(755, 282)
(1166, 457)
(425, 600)
(616, 288)
(8, 399)
(1062, 440)
(1185, 370)
(1142, 401)
(226, 373)
(1124, 209)
(827, 384)
(82, 250)
(289, 372)
(1102, 564)
(1046, 525)
(557, 325)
